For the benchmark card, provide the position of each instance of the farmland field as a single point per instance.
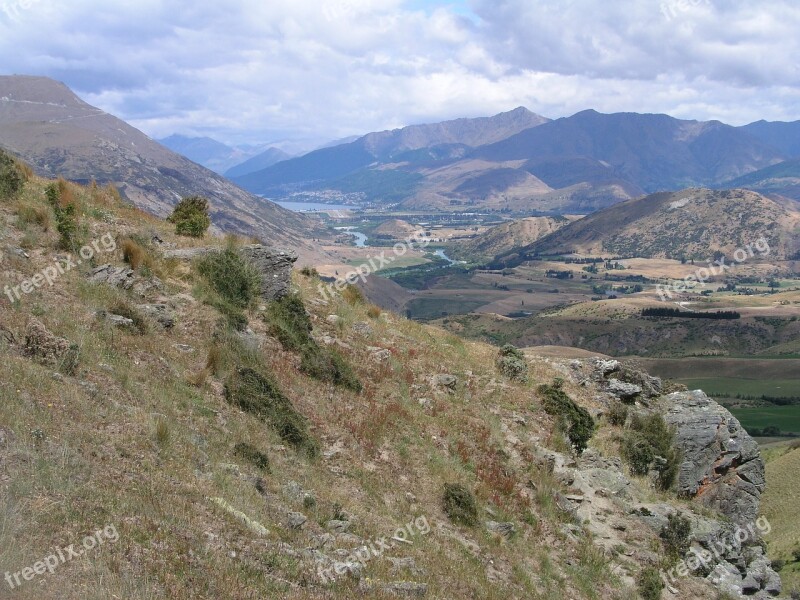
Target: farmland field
(787, 418)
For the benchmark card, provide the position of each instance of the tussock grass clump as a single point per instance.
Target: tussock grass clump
(578, 423)
(459, 504)
(309, 271)
(649, 443)
(373, 312)
(135, 254)
(511, 363)
(259, 395)
(235, 284)
(290, 324)
(190, 217)
(13, 175)
(352, 295)
(252, 455)
(31, 214)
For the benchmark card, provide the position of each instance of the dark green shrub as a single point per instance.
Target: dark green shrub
(259, 395)
(252, 455)
(617, 413)
(650, 584)
(511, 363)
(190, 217)
(290, 324)
(459, 504)
(59, 198)
(12, 176)
(577, 420)
(233, 277)
(676, 535)
(650, 444)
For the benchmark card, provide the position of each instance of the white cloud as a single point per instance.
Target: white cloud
(250, 70)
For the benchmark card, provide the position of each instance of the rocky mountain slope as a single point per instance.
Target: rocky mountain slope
(233, 433)
(47, 125)
(507, 236)
(693, 223)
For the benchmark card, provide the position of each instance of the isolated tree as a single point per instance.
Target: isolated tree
(191, 217)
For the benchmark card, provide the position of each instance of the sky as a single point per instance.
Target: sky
(311, 71)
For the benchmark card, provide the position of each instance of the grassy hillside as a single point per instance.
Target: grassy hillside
(779, 505)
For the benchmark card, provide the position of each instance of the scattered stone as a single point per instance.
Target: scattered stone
(507, 530)
(362, 328)
(160, 313)
(297, 520)
(116, 320)
(184, 348)
(337, 526)
(333, 319)
(444, 381)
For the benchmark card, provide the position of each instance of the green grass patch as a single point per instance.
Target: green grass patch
(786, 418)
(726, 387)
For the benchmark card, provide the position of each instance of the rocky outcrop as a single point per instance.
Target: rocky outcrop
(274, 265)
(124, 278)
(722, 465)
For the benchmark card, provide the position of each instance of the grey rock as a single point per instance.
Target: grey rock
(296, 520)
(333, 319)
(623, 390)
(118, 320)
(446, 381)
(721, 462)
(337, 526)
(120, 277)
(507, 530)
(276, 269)
(362, 328)
(605, 367)
(727, 578)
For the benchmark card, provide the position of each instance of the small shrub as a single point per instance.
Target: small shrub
(578, 422)
(650, 584)
(650, 444)
(38, 215)
(778, 565)
(257, 394)
(511, 363)
(162, 433)
(60, 199)
(190, 217)
(309, 271)
(617, 413)
(676, 535)
(13, 175)
(233, 277)
(252, 455)
(459, 504)
(290, 324)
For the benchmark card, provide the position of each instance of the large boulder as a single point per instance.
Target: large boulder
(276, 269)
(722, 466)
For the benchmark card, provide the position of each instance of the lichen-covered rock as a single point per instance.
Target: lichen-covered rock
(160, 313)
(722, 465)
(622, 390)
(49, 349)
(275, 267)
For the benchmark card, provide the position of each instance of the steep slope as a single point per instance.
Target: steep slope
(331, 164)
(654, 152)
(693, 223)
(183, 458)
(47, 125)
(505, 237)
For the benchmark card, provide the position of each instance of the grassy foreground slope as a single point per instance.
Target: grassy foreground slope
(779, 505)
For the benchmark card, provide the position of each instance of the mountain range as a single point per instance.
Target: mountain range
(47, 125)
(520, 161)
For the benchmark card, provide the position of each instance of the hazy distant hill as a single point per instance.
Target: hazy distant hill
(782, 136)
(782, 179)
(46, 124)
(337, 162)
(693, 223)
(519, 161)
(265, 159)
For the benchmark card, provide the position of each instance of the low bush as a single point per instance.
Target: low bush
(13, 175)
(190, 217)
(257, 394)
(617, 413)
(60, 198)
(511, 363)
(459, 504)
(578, 423)
(676, 535)
(649, 444)
(650, 584)
(290, 324)
(252, 455)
